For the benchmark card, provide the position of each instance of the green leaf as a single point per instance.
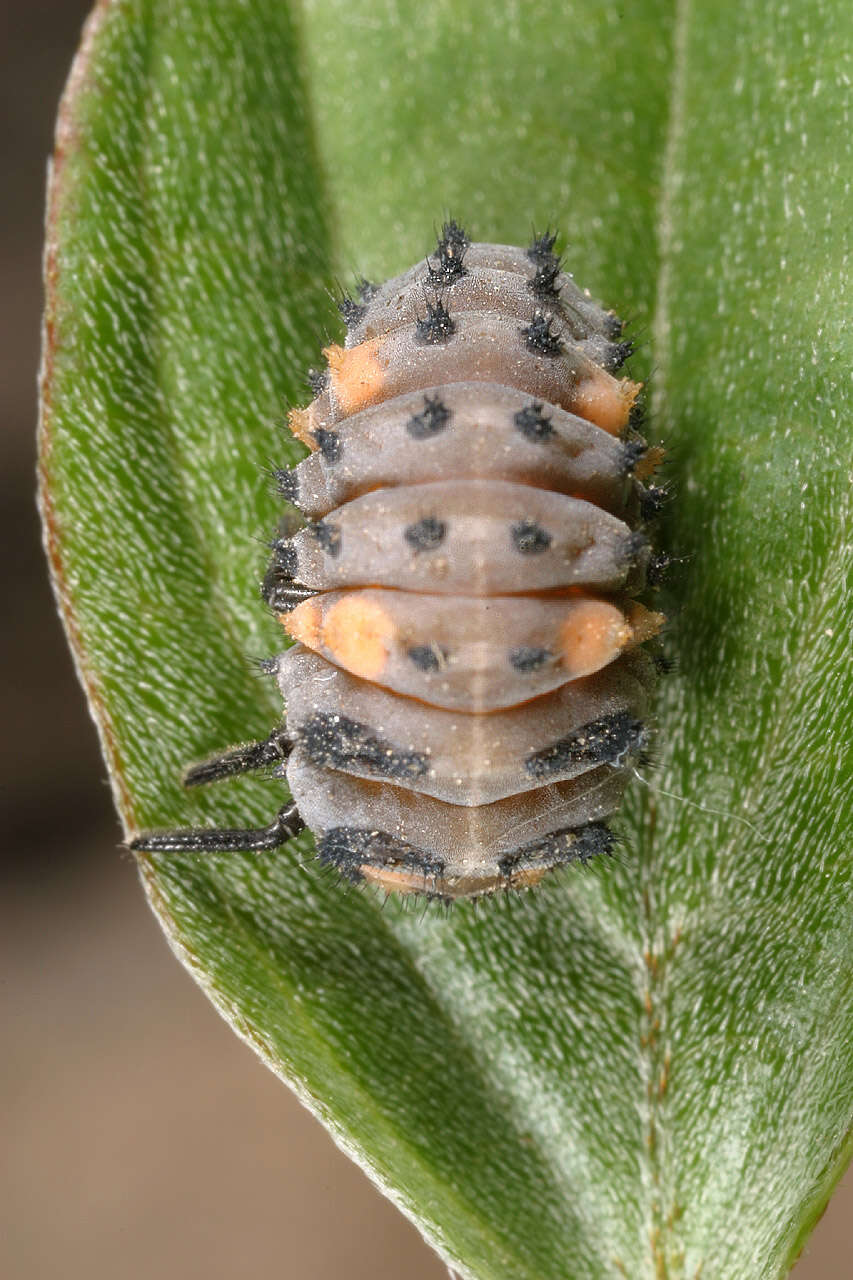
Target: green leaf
(644, 1069)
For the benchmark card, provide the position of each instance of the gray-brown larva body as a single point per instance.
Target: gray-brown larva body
(466, 697)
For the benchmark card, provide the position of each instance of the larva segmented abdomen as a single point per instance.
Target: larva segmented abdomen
(466, 695)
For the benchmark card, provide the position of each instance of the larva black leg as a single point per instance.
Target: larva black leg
(284, 827)
(254, 755)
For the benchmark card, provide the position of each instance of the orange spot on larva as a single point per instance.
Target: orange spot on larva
(605, 400)
(649, 462)
(357, 377)
(301, 423)
(303, 624)
(528, 877)
(644, 623)
(358, 633)
(396, 881)
(593, 634)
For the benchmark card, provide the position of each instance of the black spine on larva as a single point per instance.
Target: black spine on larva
(540, 337)
(543, 283)
(352, 311)
(480, 365)
(436, 325)
(447, 265)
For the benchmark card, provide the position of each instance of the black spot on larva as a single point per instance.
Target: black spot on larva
(542, 247)
(433, 418)
(652, 501)
(530, 538)
(351, 848)
(436, 326)
(571, 844)
(447, 266)
(427, 657)
(664, 665)
(335, 742)
(613, 326)
(282, 597)
(615, 355)
(329, 444)
(318, 380)
(543, 283)
(606, 741)
(540, 338)
(287, 483)
(366, 289)
(426, 534)
(452, 235)
(527, 658)
(279, 588)
(637, 414)
(632, 451)
(533, 423)
(328, 536)
(284, 558)
(353, 312)
(595, 840)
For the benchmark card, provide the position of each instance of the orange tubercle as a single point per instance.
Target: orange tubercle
(649, 462)
(303, 624)
(301, 423)
(358, 634)
(644, 623)
(357, 377)
(605, 400)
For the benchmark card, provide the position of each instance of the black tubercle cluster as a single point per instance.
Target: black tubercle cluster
(436, 326)
(543, 283)
(334, 741)
(327, 535)
(349, 849)
(529, 538)
(653, 499)
(353, 312)
(284, 558)
(539, 336)
(280, 589)
(366, 289)
(432, 419)
(329, 444)
(447, 263)
(541, 248)
(427, 657)
(616, 354)
(608, 740)
(318, 381)
(426, 534)
(533, 423)
(571, 844)
(547, 267)
(286, 483)
(528, 658)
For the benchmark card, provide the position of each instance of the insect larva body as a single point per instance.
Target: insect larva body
(466, 697)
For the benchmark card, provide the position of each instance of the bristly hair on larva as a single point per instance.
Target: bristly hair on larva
(471, 651)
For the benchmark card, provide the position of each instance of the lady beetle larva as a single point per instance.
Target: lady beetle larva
(466, 695)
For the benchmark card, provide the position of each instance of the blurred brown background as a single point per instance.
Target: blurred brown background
(139, 1136)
